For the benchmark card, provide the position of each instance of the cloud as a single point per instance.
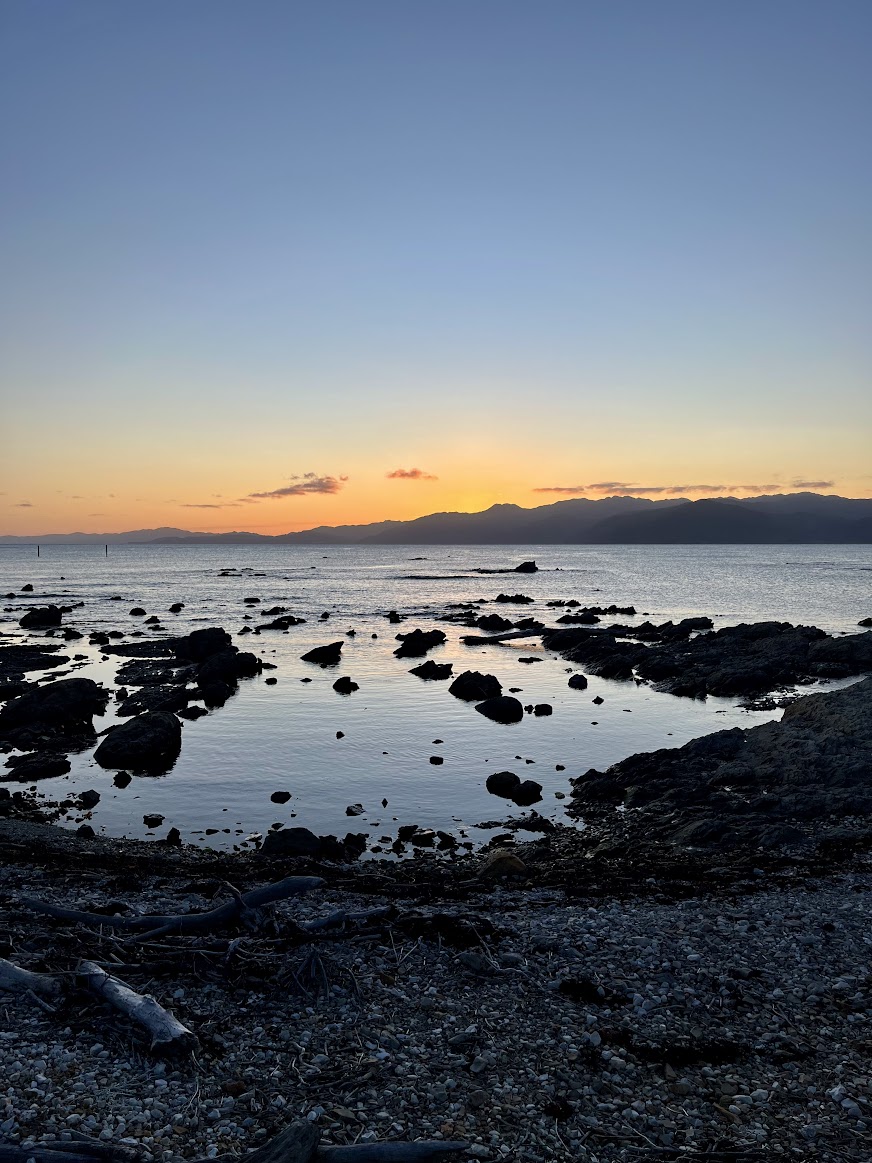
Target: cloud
(96, 514)
(570, 489)
(23, 505)
(410, 474)
(223, 505)
(813, 484)
(302, 486)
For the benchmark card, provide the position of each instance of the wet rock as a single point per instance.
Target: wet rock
(502, 709)
(177, 607)
(36, 765)
(154, 698)
(71, 635)
(527, 567)
(89, 799)
(26, 589)
(393, 617)
(345, 686)
(11, 690)
(432, 671)
(578, 682)
(502, 862)
(417, 642)
(865, 622)
(436, 760)
(192, 712)
(472, 686)
(86, 832)
(68, 703)
(503, 783)
(122, 779)
(526, 793)
(152, 820)
(518, 599)
(291, 842)
(228, 666)
(137, 612)
(541, 709)
(329, 655)
(285, 622)
(215, 694)
(270, 681)
(493, 623)
(150, 742)
(280, 797)
(354, 810)
(41, 618)
(201, 644)
(598, 700)
(423, 838)
(174, 838)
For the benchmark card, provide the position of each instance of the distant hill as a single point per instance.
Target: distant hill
(778, 519)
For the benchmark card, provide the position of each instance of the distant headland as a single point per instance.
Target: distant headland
(783, 518)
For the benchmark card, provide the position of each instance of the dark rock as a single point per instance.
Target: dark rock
(174, 838)
(501, 709)
(251, 601)
(86, 832)
(417, 642)
(291, 842)
(137, 612)
(503, 783)
(493, 623)
(11, 690)
(89, 799)
(436, 760)
(393, 617)
(228, 666)
(472, 686)
(518, 599)
(122, 779)
(345, 686)
(432, 671)
(177, 607)
(216, 694)
(99, 639)
(543, 709)
(41, 618)
(865, 622)
(71, 635)
(192, 712)
(201, 644)
(405, 832)
(69, 703)
(578, 682)
(354, 810)
(527, 567)
(598, 700)
(26, 589)
(526, 793)
(152, 820)
(270, 681)
(285, 622)
(423, 838)
(36, 765)
(280, 797)
(584, 618)
(329, 655)
(531, 660)
(150, 742)
(154, 698)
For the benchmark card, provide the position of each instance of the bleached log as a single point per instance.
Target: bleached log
(167, 1032)
(17, 980)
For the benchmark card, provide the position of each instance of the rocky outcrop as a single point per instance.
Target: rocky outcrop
(745, 786)
(41, 618)
(68, 704)
(329, 655)
(150, 742)
(35, 765)
(432, 671)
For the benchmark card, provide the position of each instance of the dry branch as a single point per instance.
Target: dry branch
(167, 1032)
(182, 923)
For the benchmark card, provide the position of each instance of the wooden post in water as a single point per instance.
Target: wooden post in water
(106, 547)
(37, 551)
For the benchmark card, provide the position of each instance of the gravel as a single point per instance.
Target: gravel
(583, 1031)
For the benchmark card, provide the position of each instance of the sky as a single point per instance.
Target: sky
(269, 264)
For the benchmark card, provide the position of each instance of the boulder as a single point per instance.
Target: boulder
(519, 599)
(472, 686)
(228, 666)
(329, 655)
(432, 671)
(150, 742)
(541, 709)
(578, 682)
(501, 709)
(41, 618)
(417, 642)
(493, 623)
(285, 622)
(201, 644)
(345, 686)
(291, 842)
(503, 783)
(526, 793)
(137, 612)
(527, 567)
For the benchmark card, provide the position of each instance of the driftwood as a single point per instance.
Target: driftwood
(183, 923)
(298, 1143)
(17, 980)
(167, 1032)
(494, 639)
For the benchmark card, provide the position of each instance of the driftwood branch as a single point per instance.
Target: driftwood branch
(182, 923)
(17, 980)
(167, 1032)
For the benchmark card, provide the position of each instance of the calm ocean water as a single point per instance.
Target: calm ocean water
(283, 737)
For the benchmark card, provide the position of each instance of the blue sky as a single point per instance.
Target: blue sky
(517, 245)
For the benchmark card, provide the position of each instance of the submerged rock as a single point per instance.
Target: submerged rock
(69, 703)
(36, 765)
(432, 671)
(417, 642)
(502, 783)
(41, 618)
(345, 686)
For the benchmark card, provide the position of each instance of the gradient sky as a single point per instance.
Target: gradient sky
(600, 246)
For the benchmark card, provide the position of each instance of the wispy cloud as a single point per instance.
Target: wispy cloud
(410, 474)
(222, 505)
(23, 505)
(302, 486)
(96, 514)
(629, 489)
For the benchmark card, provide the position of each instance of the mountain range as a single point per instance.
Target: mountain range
(782, 518)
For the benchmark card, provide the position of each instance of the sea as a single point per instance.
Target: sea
(372, 749)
